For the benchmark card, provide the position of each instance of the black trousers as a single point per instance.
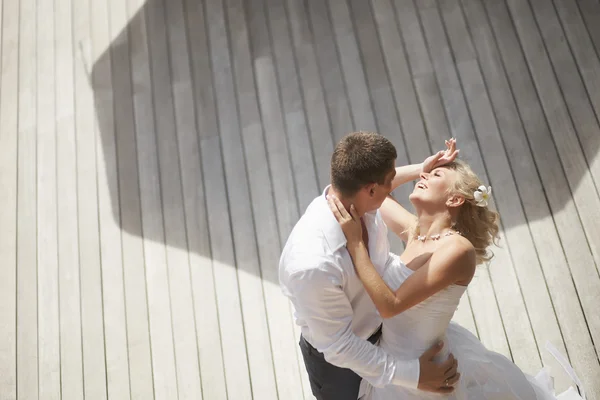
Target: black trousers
(327, 381)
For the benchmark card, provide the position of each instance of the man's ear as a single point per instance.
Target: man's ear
(455, 200)
(370, 189)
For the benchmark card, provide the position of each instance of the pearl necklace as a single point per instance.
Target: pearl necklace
(436, 236)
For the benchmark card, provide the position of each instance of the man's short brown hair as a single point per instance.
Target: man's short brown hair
(359, 159)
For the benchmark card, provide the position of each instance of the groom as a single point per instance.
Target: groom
(340, 325)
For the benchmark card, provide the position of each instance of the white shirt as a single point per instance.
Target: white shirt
(331, 305)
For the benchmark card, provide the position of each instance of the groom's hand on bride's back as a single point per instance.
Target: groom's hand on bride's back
(437, 377)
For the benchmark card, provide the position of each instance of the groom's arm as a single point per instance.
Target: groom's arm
(321, 303)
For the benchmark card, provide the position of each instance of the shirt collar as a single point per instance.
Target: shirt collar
(331, 228)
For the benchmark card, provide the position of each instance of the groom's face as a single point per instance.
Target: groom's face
(377, 193)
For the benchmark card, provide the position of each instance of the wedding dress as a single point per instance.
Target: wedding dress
(485, 375)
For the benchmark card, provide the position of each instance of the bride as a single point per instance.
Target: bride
(418, 296)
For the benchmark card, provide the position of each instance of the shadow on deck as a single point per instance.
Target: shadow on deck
(151, 115)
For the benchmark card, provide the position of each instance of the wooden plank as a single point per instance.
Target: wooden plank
(377, 81)
(331, 74)
(590, 10)
(424, 79)
(47, 262)
(109, 215)
(273, 124)
(258, 340)
(71, 353)
(585, 55)
(203, 278)
(319, 125)
(485, 307)
(27, 293)
(294, 114)
(448, 82)
(400, 80)
(574, 82)
(352, 67)
(560, 120)
(517, 261)
(144, 348)
(175, 122)
(264, 202)
(9, 70)
(228, 300)
(580, 108)
(92, 323)
(482, 298)
(137, 312)
(150, 341)
(578, 176)
(219, 155)
(564, 214)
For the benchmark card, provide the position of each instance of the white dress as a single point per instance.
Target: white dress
(484, 373)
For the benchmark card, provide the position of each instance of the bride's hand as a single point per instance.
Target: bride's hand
(442, 157)
(350, 222)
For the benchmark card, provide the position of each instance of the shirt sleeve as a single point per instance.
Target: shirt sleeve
(320, 301)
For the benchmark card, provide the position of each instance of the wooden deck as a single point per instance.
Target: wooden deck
(154, 156)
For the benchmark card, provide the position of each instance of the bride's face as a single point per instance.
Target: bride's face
(433, 191)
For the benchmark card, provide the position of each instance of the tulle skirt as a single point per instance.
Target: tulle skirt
(485, 375)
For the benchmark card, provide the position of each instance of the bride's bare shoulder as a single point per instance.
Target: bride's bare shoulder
(457, 257)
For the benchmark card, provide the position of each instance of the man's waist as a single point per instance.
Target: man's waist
(373, 339)
(361, 327)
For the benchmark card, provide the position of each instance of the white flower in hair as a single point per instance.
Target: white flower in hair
(482, 195)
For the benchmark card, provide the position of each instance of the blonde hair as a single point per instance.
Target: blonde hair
(478, 224)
